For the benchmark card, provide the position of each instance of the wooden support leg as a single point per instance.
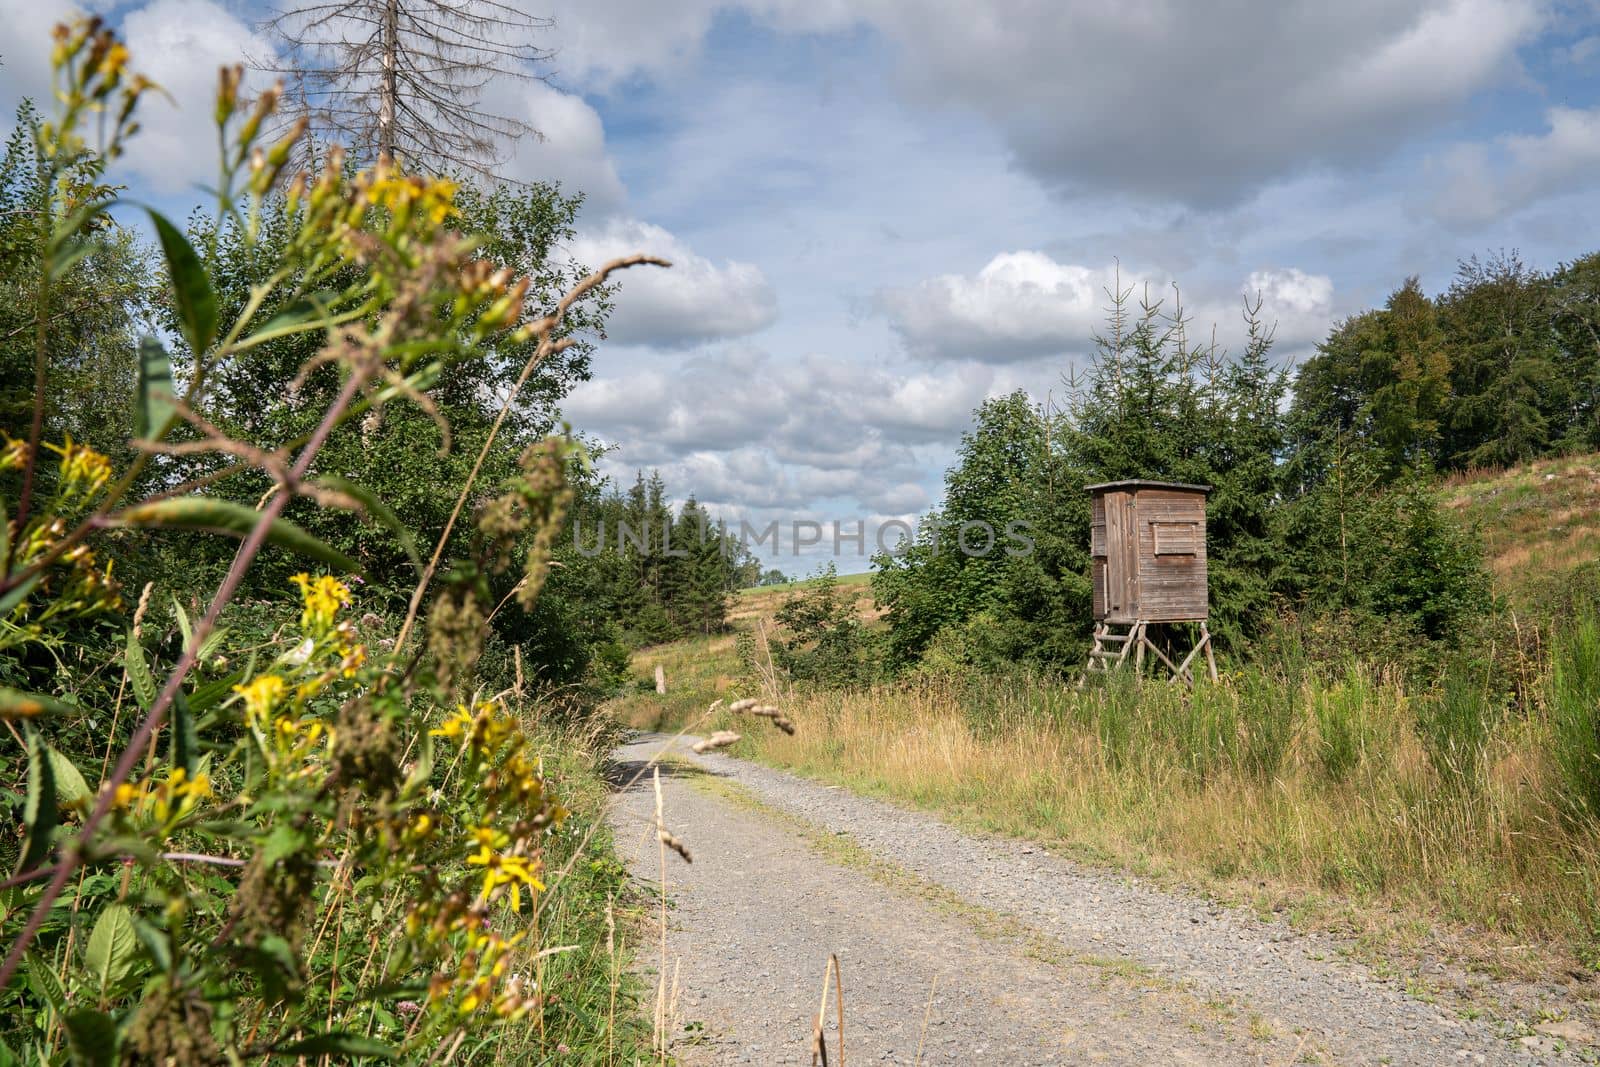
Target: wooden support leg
(1211, 660)
(1138, 652)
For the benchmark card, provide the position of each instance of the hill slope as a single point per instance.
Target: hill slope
(1538, 521)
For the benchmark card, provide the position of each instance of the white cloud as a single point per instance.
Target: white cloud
(1299, 305)
(1195, 102)
(572, 151)
(181, 44)
(694, 300)
(1024, 305)
(25, 54)
(605, 42)
(738, 428)
(1019, 306)
(1480, 183)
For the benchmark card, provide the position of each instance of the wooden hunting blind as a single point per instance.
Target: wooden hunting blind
(1147, 548)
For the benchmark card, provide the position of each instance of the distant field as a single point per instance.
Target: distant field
(844, 579)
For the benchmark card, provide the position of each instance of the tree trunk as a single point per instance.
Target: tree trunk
(388, 94)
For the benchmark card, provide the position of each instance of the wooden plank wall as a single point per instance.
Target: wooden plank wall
(1148, 561)
(1172, 584)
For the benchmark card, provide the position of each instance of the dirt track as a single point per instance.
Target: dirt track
(1030, 959)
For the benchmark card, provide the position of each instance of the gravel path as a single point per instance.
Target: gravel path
(1030, 959)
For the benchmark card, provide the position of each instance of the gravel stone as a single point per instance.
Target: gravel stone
(1038, 960)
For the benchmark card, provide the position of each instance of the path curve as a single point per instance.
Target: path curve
(1030, 959)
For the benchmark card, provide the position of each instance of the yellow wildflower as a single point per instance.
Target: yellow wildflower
(83, 470)
(264, 693)
(113, 61)
(179, 794)
(403, 196)
(323, 597)
(500, 869)
(14, 454)
(456, 726)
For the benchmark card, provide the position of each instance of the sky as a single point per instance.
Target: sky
(882, 212)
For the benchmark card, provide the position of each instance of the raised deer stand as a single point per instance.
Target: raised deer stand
(1113, 648)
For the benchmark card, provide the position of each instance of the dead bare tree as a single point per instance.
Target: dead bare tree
(405, 78)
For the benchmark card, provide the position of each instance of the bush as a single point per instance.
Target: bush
(824, 642)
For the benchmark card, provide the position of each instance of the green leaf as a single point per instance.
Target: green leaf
(44, 983)
(282, 841)
(120, 846)
(65, 256)
(154, 407)
(71, 789)
(155, 942)
(68, 229)
(112, 948)
(337, 1042)
(377, 511)
(191, 287)
(185, 748)
(184, 627)
(309, 310)
(91, 1038)
(209, 694)
(227, 517)
(15, 704)
(18, 594)
(420, 775)
(274, 963)
(40, 815)
(139, 677)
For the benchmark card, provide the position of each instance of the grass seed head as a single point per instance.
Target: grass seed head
(720, 739)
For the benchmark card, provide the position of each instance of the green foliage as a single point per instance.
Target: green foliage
(822, 640)
(1345, 713)
(92, 321)
(1457, 721)
(1382, 376)
(1574, 698)
(1502, 367)
(249, 829)
(653, 575)
(1351, 544)
(1323, 526)
(1005, 545)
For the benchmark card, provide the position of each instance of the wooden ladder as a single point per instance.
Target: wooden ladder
(1111, 649)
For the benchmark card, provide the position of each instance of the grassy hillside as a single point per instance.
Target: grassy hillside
(1537, 521)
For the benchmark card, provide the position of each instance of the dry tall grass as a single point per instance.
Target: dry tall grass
(1317, 791)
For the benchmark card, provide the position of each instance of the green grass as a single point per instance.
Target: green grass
(595, 1017)
(863, 578)
(1538, 521)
